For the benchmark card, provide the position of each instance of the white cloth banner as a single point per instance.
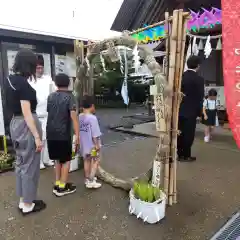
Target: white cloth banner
(189, 52)
(124, 91)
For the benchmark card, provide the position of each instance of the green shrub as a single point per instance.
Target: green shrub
(6, 161)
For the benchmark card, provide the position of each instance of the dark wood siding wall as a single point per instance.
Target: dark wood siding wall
(133, 14)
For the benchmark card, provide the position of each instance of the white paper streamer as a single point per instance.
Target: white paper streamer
(219, 44)
(88, 63)
(124, 91)
(208, 47)
(120, 60)
(136, 58)
(195, 50)
(200, 45)
(102, 62)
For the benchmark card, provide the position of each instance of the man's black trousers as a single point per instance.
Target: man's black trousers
(187, 128)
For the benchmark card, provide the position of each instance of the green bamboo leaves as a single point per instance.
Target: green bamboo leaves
(146, 192)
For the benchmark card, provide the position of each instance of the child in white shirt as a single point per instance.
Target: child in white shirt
(210, 119)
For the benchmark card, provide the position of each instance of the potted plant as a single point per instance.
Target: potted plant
(147, 202)
(6, 162)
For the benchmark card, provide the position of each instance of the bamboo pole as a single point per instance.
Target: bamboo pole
(166, 164)
(182, 44)
(172, 69)
(170, 19)
(175, 105)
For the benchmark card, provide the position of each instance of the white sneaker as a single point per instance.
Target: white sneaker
(50, 163)
(87, 180)
(42, 166)
(206, 139)
(21, 205)
(93, 184)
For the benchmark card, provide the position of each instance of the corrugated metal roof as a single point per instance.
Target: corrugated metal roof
(135, 13)
(126, 14)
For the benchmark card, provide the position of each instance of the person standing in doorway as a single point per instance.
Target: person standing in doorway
(43, 86)
(190, 108)
(25, 130)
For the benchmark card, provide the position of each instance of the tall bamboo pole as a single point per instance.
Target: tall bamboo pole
(166, 164)
(172, 70)
(175, 104)
(182, 44)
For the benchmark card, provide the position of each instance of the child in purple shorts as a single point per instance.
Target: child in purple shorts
(90, 142)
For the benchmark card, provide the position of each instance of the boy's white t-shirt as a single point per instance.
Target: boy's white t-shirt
(210, 104)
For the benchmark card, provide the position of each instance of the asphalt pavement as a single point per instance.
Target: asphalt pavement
(208, 194)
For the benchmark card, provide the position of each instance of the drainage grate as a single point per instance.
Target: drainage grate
(231, 230)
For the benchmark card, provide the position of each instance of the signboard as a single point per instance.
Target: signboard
(60, 65)
(153, 90)
(65, 64)
(156, 174)
(159, 112)
(231, 63)
(70, 64)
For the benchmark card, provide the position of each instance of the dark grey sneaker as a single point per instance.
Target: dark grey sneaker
(38, 207)
(55, 189)
(69, 188)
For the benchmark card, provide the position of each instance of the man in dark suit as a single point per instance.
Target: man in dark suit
(190, 108)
